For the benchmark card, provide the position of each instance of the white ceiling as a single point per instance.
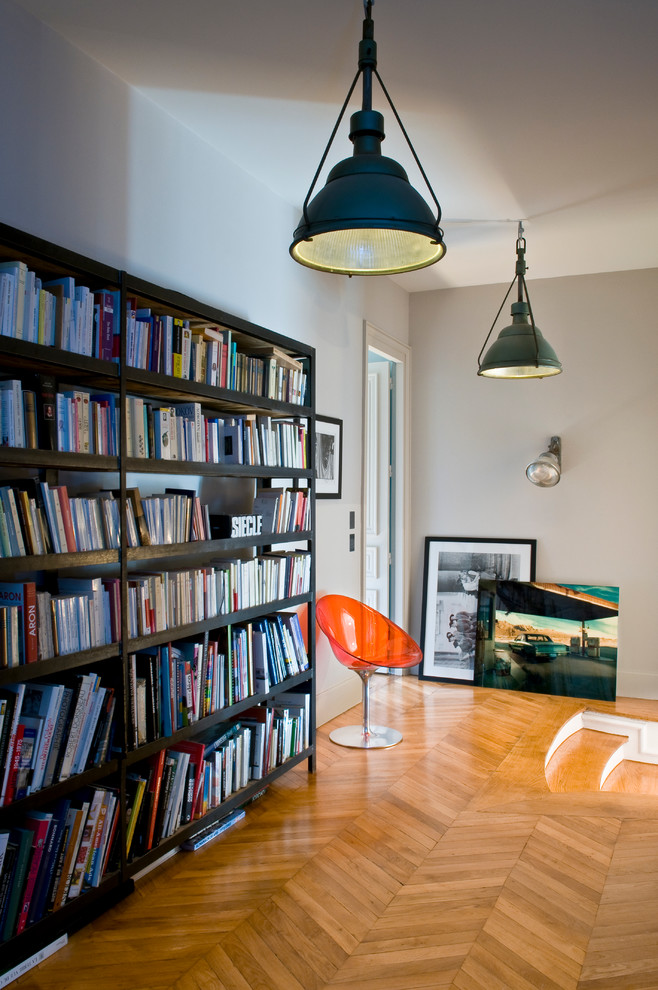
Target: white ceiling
(518, 109)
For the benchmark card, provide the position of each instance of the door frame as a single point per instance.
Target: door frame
(399, 353)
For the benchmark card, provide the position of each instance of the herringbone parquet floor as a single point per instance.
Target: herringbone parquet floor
(444, 862)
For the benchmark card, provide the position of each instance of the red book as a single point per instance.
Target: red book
(24, 595)
(157, 763)
(196, 751)
(61, 492)
(38, 822)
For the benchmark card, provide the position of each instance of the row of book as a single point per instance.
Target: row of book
(268, 577)
(36, 624)
(177, 684)
(58, 312)
(68, 315)
(164, 600)
(169, 345)
(54, 856)
(37, 518)
(84, 421)
(182, 432)
(50, 732)
(187, 780)
(173, 516)
(87, 422)
(284, 510)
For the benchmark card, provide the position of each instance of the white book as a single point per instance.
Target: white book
(14, 411)
(17, 269)
(87, 688)
(88, 730)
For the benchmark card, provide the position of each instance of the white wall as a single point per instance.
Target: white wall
(90, 164)
(473, 437)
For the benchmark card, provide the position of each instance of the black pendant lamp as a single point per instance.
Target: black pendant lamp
(520, 350)
(368, 219)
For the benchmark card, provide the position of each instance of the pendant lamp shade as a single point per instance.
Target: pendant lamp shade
(520, 351)
(368, 219)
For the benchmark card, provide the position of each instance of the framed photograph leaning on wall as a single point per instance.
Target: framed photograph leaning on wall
(328, 457)
(453, 569)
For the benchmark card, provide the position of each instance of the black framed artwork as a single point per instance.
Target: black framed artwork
(453, 569)
(328, 457)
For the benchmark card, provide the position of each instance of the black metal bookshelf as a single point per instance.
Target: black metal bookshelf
(22, 359)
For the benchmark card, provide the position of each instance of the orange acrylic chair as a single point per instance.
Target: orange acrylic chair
(364, 640)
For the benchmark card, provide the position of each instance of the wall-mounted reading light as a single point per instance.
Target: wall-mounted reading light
(520, 351)
(545, 471)
(368, 219)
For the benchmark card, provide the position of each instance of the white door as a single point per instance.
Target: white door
(378, 484)
(386, 470)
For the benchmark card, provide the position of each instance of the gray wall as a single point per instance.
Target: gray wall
(473, 438)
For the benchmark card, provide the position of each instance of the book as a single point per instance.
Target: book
(17, 270)
(85, 846)
(12, 519)
(49, 861)
(15, 693)
(13, 416)
(59, 739)
(38, 822)
(135, 787)
(195, 752)
(210, 832)
(30, 418)
(77, 817)
(104, 324)
(140, 519)
(87, 686)
(23, 595)
(156, 763)
(23, 838)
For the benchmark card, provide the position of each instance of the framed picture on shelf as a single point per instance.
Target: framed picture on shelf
(328, 457)
(454, 567)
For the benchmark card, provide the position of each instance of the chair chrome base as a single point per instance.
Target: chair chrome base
(377, 737)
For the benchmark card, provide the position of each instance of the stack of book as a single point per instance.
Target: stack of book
(54, 856)
(37, 518)
(50, 732)
(58, 313)
(173, 346)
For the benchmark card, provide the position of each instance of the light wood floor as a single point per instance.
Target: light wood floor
(444, 862)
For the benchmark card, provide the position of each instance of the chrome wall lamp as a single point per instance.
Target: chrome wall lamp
(546, 470)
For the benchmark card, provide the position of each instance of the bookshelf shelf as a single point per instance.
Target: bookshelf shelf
(59, 664)
(105, 728)
(139, 465)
